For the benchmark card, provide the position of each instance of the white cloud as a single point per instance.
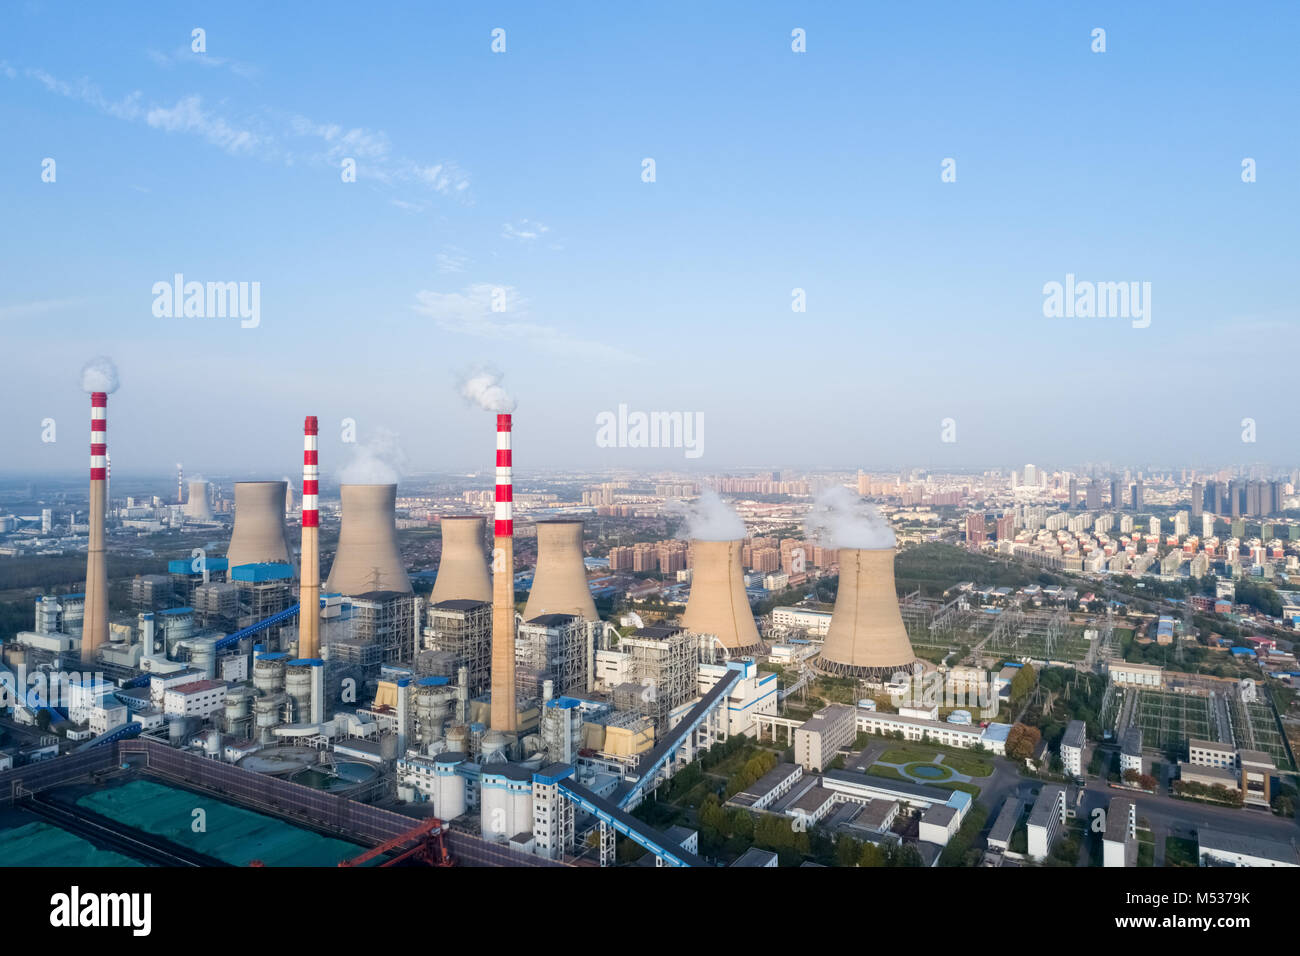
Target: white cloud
(526, 230)
(451, 260)
(188, 116)
(470, 312)
(27, 310)
(184, 55)
(271, 135)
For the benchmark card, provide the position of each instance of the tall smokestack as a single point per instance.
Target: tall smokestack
(718, 604)
(560, 580)
(505, 716)
(867, 638)
(462, 570)
(180, 484)
(94, 628)
(198, 507)
(309, 579)
(258, 535)
(367, 558)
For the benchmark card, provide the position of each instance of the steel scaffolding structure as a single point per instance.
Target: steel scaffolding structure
(553, 647)
(463, 629)
(665, 662)
(385, 619)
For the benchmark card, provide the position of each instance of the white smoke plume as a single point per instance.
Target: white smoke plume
(379, 461)
(708, 518)
(840, 519)
(99, 375)
(484, 389)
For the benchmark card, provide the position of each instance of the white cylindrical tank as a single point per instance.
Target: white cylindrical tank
(266, 714)
(493, 747)
(449, 799)
(297, 684)
(212, 744)
(268, 675)
(458, 739)
(238, 706)
(203, 657)
(548, 690)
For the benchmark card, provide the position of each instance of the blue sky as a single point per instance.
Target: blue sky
(775, 170)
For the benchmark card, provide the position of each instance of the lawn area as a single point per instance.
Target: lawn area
(875, 770)
(962, 761)
(1180, 851)
(970, 788)
(1146, 849)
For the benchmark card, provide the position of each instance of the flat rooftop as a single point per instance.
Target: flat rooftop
(1046, 805)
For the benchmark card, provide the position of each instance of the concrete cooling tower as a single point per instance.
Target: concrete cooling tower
(867, 638)
(560, 581)
(718, 604)
(198, 507)
(258, 535)
(462, 570)
(367, 558)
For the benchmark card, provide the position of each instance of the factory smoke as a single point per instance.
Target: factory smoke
(707, 518)
(99, 375)
(484, 390)
(840, 519)
(379, 461)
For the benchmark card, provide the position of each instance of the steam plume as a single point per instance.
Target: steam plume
(708, 518)
(840, 519)
(99, 375)
(379, 461)
(484, 390)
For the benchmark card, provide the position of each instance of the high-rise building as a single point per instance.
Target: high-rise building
(1198, 499)
(1073, 494)
(1137, 495)
(1116, 496)
(1094, 496)
(975, 530)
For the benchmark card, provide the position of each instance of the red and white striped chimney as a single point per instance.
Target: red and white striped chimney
(309, 579)
(505, 525)
(94, 633)
(505, 712)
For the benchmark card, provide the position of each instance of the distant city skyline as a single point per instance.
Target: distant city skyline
(515, 180)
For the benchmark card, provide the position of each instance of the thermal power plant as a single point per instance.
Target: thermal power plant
(366, 559)
(560, 580)
(309, 575)
(866, 638)
(504, 715)
(717, 605)
(198, 507)
(94, 633)
(258, 536)
(462, 569)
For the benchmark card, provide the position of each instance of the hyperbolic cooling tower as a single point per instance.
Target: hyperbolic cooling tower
(198, 507)
(258, 535)
(462, 569)
(866, 637)
(560, 580)
(718, 604)
(367, 558)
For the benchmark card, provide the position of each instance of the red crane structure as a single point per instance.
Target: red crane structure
(430, 848)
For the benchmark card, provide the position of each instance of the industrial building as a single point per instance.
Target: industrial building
(1046, 821)
(823, 735)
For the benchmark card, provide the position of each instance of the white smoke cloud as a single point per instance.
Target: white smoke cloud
(708, 518)
(99, 375)
(379, 461)
(840, 519)
(484, 390)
